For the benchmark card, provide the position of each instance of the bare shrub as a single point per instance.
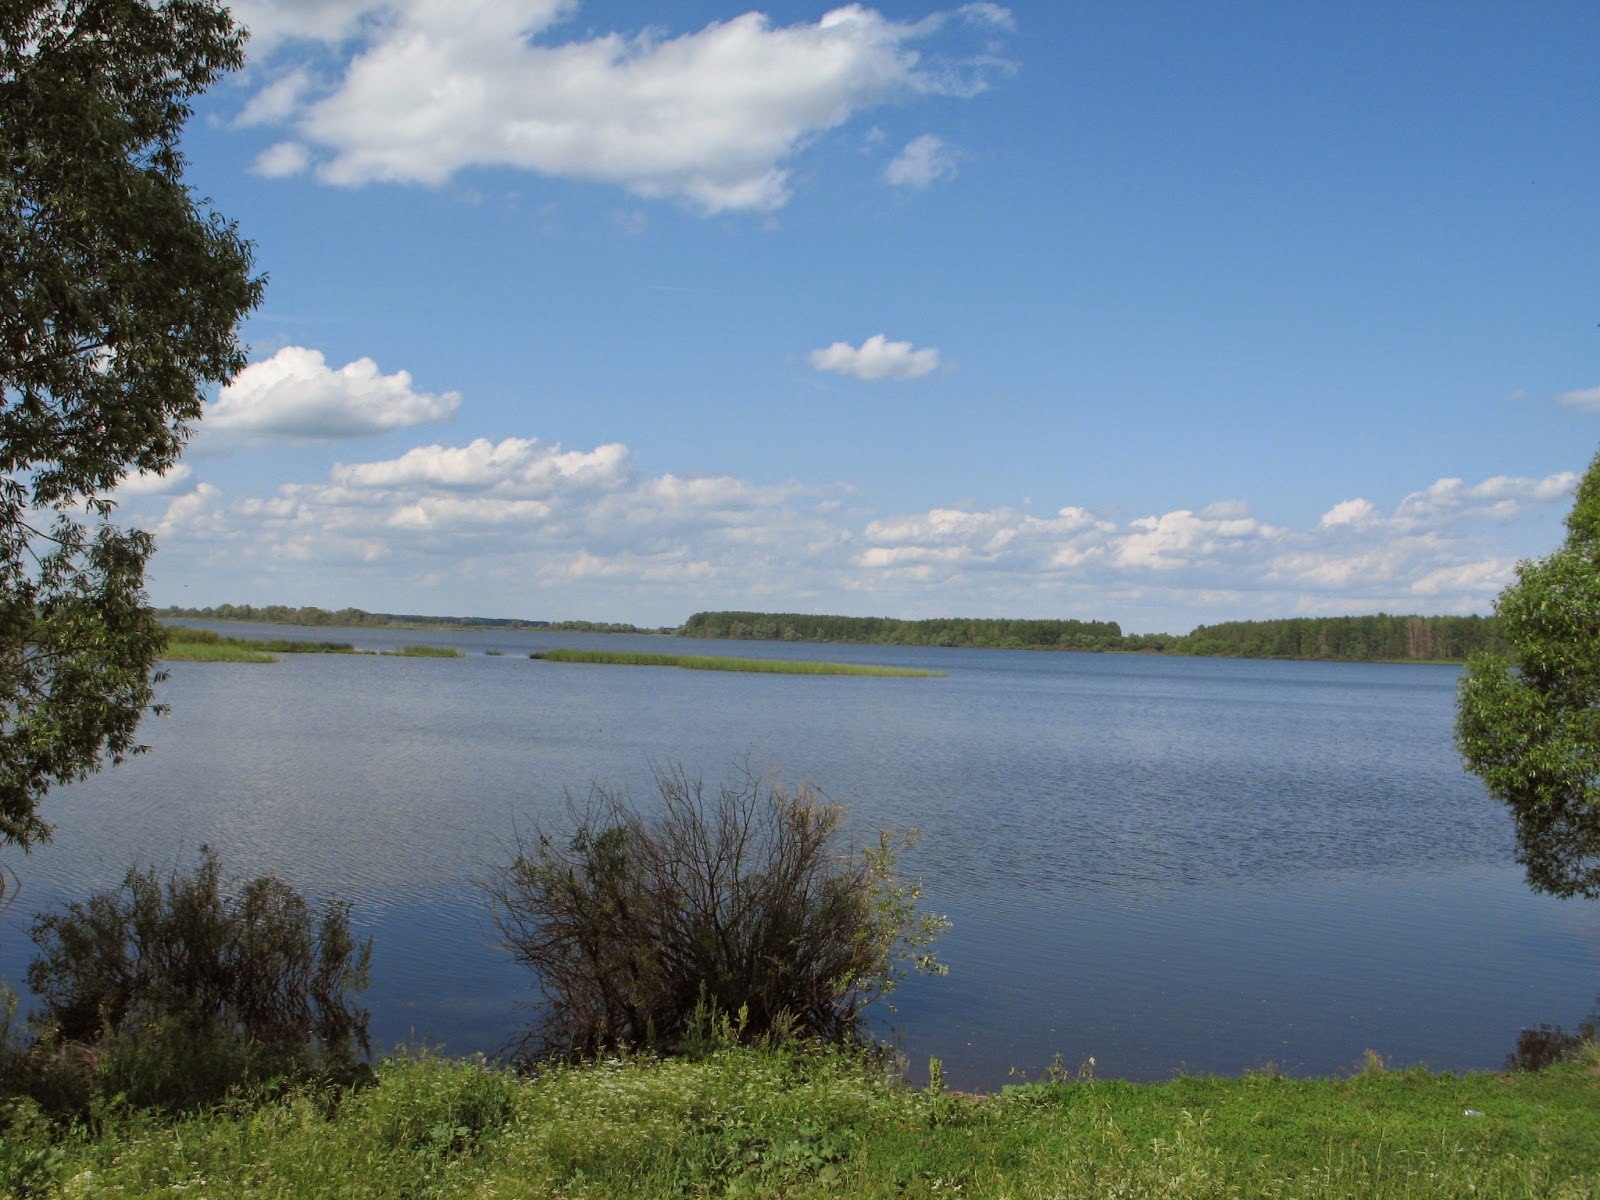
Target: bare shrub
(742, 900)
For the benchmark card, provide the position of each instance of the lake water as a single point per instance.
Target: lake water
(1168, 864)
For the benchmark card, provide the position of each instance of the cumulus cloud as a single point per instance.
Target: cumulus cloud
(1177, 539)
(272, 22)
(876, 358)
(296, 395)
(924, 161)
(1501, 497)
(281, 160)
(1357, 513)
(277, 101)
(712, 117)
(505, 526)
(149, 483)
(1585, 400)
(514, 467)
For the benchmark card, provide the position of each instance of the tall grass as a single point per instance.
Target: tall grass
(708, 662)
(425, 652)
(202, 652)
(799, 1122)
(185, 644)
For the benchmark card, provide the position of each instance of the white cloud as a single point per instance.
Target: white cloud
(195, 513)
(281, 160)
(712, 117)
(1501, 497)
(514, 467)
(1182, 538)
(272, 22)
(876, 358)
(295, 394)
(149, 483)
(984, 13)
(924, 161)
(1585, 400)
(278, 101)
(1356, 513)
(510, 527)
(1480, 580)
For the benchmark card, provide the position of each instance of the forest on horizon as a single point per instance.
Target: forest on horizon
(1382, 637)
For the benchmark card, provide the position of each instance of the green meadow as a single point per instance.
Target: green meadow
(709, 662)
(799, 1121)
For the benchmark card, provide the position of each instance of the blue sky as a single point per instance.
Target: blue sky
(1155, 313)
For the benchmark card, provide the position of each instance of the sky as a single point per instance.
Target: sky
(1160, 313)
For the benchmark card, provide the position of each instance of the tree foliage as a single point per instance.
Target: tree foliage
(738, 901)
(119, 297)
(1531, 728)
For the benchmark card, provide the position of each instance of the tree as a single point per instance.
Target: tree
(1532, 730)
(120, 294)
(740, 903)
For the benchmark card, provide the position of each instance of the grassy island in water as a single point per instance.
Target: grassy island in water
(710, 662)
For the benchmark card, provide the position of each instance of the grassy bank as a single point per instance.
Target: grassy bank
(709, 662)
(203, 645)
(801, 1123)
(425, 652)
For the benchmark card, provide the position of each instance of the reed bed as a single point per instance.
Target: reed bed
(205, 645)
(711, 662)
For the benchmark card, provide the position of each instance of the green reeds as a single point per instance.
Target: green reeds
(205, 645)
(708, 662)
(425, 652)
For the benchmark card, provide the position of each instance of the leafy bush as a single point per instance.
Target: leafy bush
(184, 991)
(739, 901)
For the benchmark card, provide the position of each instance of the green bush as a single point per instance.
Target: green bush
(742, 901)
(181, 991)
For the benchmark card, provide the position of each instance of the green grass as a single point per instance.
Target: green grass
(200, 652)
(185, 644)
(708, 662)
(798, 1122)
(204, 645)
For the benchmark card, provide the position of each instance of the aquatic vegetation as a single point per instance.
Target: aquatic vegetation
(708, 662)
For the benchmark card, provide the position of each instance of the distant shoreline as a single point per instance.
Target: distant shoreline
(1378, 638)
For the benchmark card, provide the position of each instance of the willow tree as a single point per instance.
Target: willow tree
(120, 294)
(1531, 728)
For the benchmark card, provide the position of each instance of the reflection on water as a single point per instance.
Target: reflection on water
(1162, 863)
(1542, 1045)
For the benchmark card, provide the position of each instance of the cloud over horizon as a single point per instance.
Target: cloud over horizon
(478, 523)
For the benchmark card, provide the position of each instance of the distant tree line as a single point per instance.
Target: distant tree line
(286, 614)
(603, 627)
(1379, 638)
(940, 631)
(1359, 639)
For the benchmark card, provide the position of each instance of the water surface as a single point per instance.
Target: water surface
(1168, 864)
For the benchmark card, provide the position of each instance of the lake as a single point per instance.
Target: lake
(1196, 865)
